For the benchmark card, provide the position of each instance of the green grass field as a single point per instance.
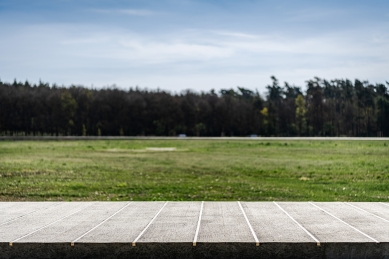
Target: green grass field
(252, 170)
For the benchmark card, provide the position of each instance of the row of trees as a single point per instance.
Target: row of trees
(325, 108)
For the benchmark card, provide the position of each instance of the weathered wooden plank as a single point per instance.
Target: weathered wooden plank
(176, 223)
(32, 222)
(72, 227)
(322, 225)
(376, 208)
(272, 225)
(224, 222)
(125, 226)
(10, 211)
(361, 220)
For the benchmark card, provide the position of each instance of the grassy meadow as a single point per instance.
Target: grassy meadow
(252, 170)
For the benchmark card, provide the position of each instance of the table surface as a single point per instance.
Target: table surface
(194, 222)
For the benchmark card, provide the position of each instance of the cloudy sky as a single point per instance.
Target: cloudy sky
(188, 44)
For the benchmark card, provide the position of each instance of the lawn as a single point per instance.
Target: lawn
(251, 170)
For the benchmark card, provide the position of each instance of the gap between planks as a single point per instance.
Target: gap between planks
(198, 224)
(248, 223)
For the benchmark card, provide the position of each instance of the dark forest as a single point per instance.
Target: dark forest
(324, 108)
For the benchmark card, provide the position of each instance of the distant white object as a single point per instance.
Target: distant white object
(253, 136)
(182, 135)
(160, 148)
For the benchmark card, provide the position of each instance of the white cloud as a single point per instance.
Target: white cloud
(137, 49)
(166, 52)
(177, 60)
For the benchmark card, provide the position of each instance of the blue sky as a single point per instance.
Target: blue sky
(199, 45)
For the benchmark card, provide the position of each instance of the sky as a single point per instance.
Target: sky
(176, 45)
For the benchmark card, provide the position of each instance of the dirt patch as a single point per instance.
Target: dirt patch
(161, 149)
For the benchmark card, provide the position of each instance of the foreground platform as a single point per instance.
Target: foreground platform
(194, 230)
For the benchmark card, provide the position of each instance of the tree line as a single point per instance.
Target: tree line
(325, 108)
